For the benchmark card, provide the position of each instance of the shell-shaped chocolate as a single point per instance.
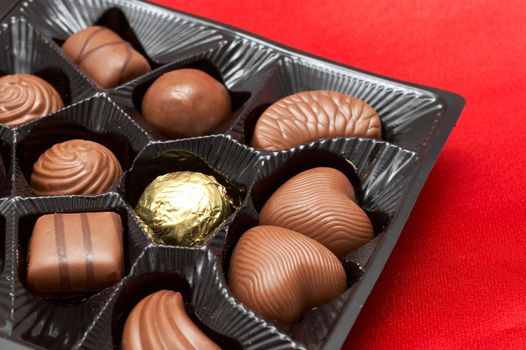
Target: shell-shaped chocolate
(311, 115)
(105, 57)
(320, 203)
(160, 322)
(26, 97)
(75, 167)
(281, 274)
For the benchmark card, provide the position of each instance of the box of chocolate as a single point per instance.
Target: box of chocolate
(168, 182)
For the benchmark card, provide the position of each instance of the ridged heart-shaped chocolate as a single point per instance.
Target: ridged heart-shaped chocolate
(281, 274)
(321, 204)
(160, 321)
(311, 115)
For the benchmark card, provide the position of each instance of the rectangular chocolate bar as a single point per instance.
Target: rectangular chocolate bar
(75, 253)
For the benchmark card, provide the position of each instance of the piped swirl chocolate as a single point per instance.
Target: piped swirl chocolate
(75, 253)
(26, 97)
(281, 274)
(160, 321)
(105, 57)
(311, 115)
(321, 204)
(75, 167)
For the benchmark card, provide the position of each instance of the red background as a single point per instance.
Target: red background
(457, 277)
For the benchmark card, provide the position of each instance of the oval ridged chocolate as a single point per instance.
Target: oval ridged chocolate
(281, 274)
(26, 97)
(160, 321)
(311, 115)
(320, 203)
(105, 57)
(75, 167)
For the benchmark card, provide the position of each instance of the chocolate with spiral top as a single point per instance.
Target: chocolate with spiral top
(75, 167)
(26, 97)
(105, 57)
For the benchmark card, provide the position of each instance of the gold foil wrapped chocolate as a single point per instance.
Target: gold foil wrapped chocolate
(184, 207)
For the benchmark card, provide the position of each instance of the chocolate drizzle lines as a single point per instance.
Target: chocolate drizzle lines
(88, 251)
(84, 55)
(60, 240)
(86, 43)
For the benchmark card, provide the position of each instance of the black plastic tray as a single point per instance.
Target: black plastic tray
(416, 122)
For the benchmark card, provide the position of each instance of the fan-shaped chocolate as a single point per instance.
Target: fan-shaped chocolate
(26, 97)
(105, 57)
(321, 204)
(159, 322)
(75, 167)
(186, 103)
(311, 115)
(281, 274)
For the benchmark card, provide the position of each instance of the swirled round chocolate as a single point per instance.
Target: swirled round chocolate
(186, 103)
(281, 274)
(105, 57)
(160, 321)
(75, 167)
(311, 115)
(184, 207)
(321, 204)
(26, 97)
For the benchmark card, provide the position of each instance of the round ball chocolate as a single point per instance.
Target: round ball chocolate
(75, 167)
(184, 207)
(186, 103)
(26, 97)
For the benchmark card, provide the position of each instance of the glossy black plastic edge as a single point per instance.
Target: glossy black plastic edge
(454, 105)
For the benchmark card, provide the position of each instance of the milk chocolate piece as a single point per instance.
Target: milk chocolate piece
(281, 274)
(105, 57)
(184, 207)
(186, 103)
(311, 115)
(160, 321)
(75, 167)
(26, 97)
(75, 253)
(321, 204)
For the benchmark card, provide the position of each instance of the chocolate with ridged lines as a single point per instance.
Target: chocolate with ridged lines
(75, 167)
(320, 203)
(282, 274)
(26, 97)
(105, 57)
(160, 321)
(311, 115)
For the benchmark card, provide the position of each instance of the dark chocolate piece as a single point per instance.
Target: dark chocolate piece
(105, 57)
(281, 274)
(75, 167)
(186, 103)
(312, 115)
(160, 321)
(26, 97)
(321, 204)
(75, 253)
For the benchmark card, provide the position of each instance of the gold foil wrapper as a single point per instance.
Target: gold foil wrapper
(183, 208)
